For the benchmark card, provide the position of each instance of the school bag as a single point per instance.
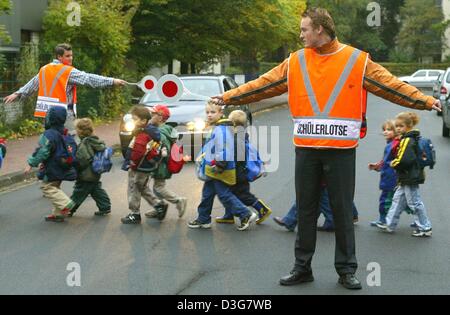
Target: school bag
(426, 153)
(175, 163)
(254, 164)
(101, 162)
(66, 156)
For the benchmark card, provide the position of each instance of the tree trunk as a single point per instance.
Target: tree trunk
(184, 68)
(170, 68)
(193, 68)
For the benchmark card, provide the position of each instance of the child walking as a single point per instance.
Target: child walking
(52, 159)
(2, 151)
(410, 176)
(140, 159)
(242, 188)
(88, 182)
(220, 170)
(388, 177)
(160, 114)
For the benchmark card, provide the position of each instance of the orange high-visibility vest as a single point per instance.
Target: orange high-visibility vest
(327, 98)
(53, 79)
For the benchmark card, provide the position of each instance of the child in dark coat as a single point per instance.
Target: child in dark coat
(88, 182)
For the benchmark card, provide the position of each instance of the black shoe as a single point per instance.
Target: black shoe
(161, 209)
(102, 213)
(132, 219)
(297, 277)
(349, 281)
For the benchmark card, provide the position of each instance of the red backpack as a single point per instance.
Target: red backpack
(175, 162)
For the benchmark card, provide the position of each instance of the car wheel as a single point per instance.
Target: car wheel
(445, 130)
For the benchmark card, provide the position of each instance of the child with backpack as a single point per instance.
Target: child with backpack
(143, 156)
(242, 188)
(88, 182)
(216, 166)
(410, 172)
(170, 156)
(2, 151)
(55, 157)
(388, 177)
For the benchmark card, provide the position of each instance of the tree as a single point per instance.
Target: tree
(100, 43)
(196, 31)
(5, 8)
(422, 31)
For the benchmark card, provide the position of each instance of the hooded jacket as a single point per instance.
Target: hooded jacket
(406, 163)
(85, 155)
(50, 142)
(168, 137)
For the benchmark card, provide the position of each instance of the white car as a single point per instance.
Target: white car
(424, 78)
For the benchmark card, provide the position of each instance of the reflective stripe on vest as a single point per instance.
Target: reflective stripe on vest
(326, 97)
(53, 79)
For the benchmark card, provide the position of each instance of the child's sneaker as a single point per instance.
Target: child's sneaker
(263, 213)
(132, 218)
(385, 228)
(414, 225)
(426, 233)
(224, 220)
(102, 213)
(54, 218)
(161, 210)
(198, 225)
(247, 221)
(181, 207)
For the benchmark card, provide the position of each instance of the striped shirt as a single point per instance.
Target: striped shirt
(76, 77)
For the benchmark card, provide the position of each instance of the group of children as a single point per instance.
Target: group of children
(224, 174)
(400, 176)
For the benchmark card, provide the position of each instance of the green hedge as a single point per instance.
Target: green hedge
(404, 69)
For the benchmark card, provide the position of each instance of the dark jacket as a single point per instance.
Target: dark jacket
(388, 176)
(168, 137)
(49, 143)
(85, 155)
(406, 163)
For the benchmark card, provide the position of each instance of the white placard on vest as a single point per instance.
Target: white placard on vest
(43, 104)
(327, 128)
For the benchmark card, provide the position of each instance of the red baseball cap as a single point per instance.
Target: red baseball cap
(161, 110)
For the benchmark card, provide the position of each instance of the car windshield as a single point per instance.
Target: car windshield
(195, 90)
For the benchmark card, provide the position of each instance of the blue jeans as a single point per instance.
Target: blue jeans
(210, 190)
(408, 196)
(291, 217)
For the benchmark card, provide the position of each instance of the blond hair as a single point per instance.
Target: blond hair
(211, 103)
(388, 124)
(85, 127)
(409, 119)
(238, 117)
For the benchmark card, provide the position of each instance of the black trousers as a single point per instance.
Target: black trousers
(242, 191)
(337, 167)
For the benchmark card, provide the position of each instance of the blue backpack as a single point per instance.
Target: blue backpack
(254, 164)
(1, 158)
(426, 153)
(101, 162)
(66, 156)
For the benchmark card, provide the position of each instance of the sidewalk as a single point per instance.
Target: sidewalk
(19, 150)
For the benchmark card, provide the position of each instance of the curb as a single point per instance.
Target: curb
(20, 177)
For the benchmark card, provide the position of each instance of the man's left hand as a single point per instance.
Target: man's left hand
(437, 106)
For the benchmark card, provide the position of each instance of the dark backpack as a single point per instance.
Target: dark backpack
(426, 154)
(175, 163)
(101, 162)
(65, 155)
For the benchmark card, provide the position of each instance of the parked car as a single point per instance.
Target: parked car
(437, 86)
(188, 114)
(424, 78)
(445, 117)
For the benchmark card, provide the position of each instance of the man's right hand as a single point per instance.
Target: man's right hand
(11, 98)
(119, 82)
(218, 100)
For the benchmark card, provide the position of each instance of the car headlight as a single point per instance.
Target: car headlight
(196, 125)
(129, 124)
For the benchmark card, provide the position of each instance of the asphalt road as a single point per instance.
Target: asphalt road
(170, 258)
